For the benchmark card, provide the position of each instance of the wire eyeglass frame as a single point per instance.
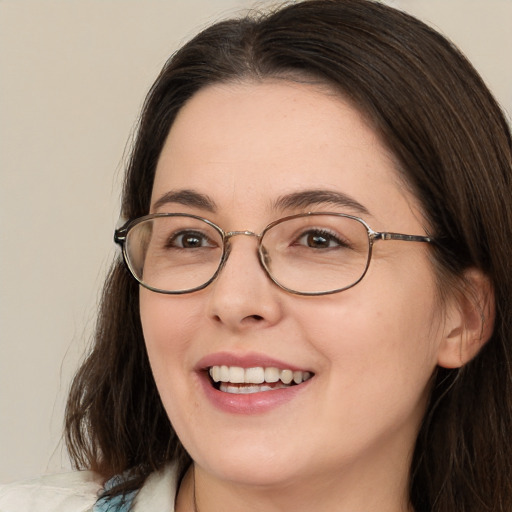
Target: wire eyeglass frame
(120, 238)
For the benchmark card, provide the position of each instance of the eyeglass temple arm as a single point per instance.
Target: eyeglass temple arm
(120, 236)
(400, 236)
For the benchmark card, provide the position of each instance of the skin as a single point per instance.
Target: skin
(345, 441)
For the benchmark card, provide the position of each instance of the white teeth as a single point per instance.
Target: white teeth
(243, 390)
(256, 375)
(286, 376)
(223, 373)
(236, 375)
(272, 374)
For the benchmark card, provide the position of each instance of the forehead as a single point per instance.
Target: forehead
(247, 144)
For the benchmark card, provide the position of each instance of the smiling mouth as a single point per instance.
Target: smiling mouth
(238, 380)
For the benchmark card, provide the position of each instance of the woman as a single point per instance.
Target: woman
(313, 314)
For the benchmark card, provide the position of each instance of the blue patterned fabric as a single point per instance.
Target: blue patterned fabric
(121, 503)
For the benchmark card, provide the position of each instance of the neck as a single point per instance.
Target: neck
(200, 493)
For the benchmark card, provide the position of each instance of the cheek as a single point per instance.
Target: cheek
(385, 338)
(167, 321)
(380, 364)
(168, 324)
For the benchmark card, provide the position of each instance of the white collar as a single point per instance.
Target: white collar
(158, 493)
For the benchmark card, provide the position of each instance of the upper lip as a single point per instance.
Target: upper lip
(246, 360)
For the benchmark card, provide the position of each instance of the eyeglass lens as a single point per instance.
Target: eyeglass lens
(305, 254)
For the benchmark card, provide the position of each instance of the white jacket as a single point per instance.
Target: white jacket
(78, 492)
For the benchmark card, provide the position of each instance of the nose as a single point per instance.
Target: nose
(243, 296)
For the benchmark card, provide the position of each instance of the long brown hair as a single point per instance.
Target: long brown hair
(454, 149)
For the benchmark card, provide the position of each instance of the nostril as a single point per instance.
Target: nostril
(254, 318)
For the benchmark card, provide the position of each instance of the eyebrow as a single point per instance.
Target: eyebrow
(187, 197)
(307, 198)
(297, 200)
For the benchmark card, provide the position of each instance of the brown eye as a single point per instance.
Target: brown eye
(320, 239)
(190, 240)
(317, 241)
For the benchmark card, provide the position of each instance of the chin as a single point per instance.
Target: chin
(257, 464)
(256, 473)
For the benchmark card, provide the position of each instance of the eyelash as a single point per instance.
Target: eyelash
(324, 233)
(171, 243)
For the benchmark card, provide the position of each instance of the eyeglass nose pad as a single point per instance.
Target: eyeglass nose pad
(224, 259)
(262, 254)
(264, 257)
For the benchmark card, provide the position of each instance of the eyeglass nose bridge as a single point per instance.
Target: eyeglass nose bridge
(231, 234)
(227, 244)
(261, 251)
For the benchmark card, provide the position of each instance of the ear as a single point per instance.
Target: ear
(469, 320)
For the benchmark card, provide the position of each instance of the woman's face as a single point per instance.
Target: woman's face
(371, 349)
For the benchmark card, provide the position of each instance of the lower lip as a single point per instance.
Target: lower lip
(252, 403)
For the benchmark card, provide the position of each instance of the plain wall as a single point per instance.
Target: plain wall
(73, 75)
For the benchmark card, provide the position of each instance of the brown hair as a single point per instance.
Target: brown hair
(454, 148)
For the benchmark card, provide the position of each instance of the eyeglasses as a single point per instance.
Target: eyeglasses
(306, 254)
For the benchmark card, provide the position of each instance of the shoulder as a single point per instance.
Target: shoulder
(67, 492)
(79, 491)
(158, 494)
